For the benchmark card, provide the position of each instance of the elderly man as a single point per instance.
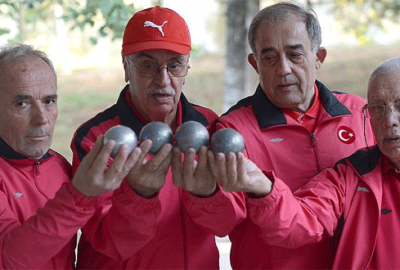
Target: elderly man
(162, 217)
(40, 210)
(357, 199)
(293, 125)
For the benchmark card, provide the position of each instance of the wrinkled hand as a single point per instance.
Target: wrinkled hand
(147, 177)
(190, 175)
(93, 177)
(234, 172)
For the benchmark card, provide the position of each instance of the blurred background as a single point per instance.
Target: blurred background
(83, 39)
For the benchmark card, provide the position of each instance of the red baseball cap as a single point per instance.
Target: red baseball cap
(156, 28)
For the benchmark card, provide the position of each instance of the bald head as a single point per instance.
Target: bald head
(388, 68)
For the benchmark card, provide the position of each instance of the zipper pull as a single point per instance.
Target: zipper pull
(37, 167)
(313, 138)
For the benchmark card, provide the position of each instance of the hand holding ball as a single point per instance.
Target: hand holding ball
(121, 135)
(158, 132)
(191, 134)
(227, 140)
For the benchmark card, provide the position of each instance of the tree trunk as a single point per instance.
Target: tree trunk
(239, 15)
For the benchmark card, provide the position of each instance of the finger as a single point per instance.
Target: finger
(101, 157)
(221, 168)
(231, 166)
(145, 148)
(241, 168)
(176, 166)
(161, 159)
(202, 161)
(132, 159)
(212, 164)
(117, 166)
(187, 170)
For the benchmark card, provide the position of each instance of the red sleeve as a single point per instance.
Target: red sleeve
(123, 224)
(217, 214)
(312, 213)
(32, 244)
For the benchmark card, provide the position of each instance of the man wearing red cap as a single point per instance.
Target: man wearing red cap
(162, 216)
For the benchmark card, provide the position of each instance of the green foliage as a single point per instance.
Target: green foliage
(360, 17)
(110, 16)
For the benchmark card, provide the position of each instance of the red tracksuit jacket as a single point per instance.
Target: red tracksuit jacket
(345, 200)
(173, 230)
(40, 211)
(275, 142)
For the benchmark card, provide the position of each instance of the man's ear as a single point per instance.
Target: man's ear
(125, 69)
(253, 62)
(321, 55)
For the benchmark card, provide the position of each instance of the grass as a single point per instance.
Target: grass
(86, 92)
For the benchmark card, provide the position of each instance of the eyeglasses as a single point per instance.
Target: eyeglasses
(376, 112)
(150, 69)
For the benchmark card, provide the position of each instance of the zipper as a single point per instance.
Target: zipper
(37, 164)
(314, 145)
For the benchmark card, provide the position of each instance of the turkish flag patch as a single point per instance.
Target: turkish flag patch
(346, 135)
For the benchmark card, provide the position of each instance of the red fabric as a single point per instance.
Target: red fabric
(295, 155)
(310, 117)
(387, 250)
(173, 230)
(39, 217)
(313, 212)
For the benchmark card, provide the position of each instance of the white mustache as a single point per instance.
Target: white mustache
(161, 91)
(289, 80)
(38, 133)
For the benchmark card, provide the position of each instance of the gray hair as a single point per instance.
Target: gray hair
(19, 51)
(280, 12)
(385, 69)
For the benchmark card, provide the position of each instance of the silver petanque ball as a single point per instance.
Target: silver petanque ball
(227, 140)
(121, 135)
(158, 132)
(191, 134)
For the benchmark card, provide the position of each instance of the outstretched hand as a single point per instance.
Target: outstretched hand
(234, 172)
(93, 177)
(191, 175)
(147, 177)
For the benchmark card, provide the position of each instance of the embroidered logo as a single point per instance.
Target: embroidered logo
(276, 140)
(18, 194)
(362, 189)
(346, 135)
(159, 27)
(386, 211)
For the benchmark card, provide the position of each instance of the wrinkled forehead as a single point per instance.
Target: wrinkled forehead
(384, 87)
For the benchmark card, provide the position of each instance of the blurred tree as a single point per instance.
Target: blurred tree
(110, 15)
(237, 74)
(359, 17)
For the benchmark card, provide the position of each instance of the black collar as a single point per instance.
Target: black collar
(268, 114)
(7, 152)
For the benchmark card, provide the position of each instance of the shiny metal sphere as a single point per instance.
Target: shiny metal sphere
(158, 132)
(121, 135)
(191, 134)
(227, 140)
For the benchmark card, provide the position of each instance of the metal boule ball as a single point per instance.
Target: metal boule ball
(227, 140)
(158, 132)
(191, 134)
(121, 135)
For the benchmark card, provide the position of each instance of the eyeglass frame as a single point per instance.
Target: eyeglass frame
(159, 69)
(392, 107)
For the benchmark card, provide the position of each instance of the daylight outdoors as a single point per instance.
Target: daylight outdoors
(84, 42)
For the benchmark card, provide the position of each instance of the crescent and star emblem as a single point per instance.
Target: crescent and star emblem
(346, 135)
